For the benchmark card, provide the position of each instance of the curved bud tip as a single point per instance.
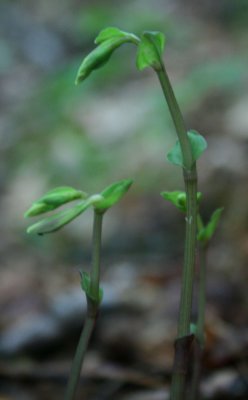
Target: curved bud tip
(108, 40)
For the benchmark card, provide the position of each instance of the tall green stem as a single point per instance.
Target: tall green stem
(92, 310)
(182, 343)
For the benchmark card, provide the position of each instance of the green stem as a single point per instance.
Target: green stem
(79, 357)
(92, 310)
(190, 180)
(201, 296)
(200, 340)
(176, 116)
(96, 254)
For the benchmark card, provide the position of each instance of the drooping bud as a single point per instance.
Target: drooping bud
(108, 40)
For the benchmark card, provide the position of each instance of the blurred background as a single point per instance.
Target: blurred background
(116, 125)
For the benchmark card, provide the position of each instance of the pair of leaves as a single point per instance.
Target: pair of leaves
(150, 50)
(86, 287)
(111, 195)
(205, 233)
(198, 146)
(178, 198)
(101, 203)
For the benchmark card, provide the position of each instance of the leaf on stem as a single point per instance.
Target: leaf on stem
(111, 195)
(178, 198)
(85, 284)
(150, 50)
(108, 40)
(54, 199)
(207, 232)
(198, 146)
(58, 220)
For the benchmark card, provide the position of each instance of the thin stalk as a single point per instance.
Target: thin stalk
(96, 254)
(183, 342)
(201, 296)
(79, 357)
(200, 334)
(189, 255)
(201, 300)
(176, 116)
(92, 310)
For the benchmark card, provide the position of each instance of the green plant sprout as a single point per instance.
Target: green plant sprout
(188, 148)
(90, 283)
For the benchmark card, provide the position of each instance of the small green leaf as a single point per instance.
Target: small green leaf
(85, 284)
(62, 195)
(178, 198)
(54, 199)
(113, 32)
(111, 195)
(175, 155)
(174, 197)
(58, 220)
(198, 146)
(108, 40)
(150, 50)
(207, 232)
